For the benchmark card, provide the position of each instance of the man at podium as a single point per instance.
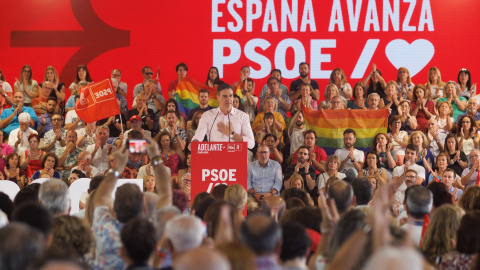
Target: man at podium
(225, 123)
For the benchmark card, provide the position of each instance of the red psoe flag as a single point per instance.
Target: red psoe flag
(97, 101)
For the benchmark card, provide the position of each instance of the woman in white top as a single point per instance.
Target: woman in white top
(445, 116)
(82, 75)
(435, 84)
(6, 93)
(467, 134)
(26, 85)
(338, 78)
(467, 89)
(333, 163)
(398, 137)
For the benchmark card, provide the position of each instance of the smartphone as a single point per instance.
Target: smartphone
(137, 146)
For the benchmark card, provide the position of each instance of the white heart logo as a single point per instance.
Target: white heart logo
(414, 56)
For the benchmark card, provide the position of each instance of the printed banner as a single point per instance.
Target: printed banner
(330, 125)
(97, 101)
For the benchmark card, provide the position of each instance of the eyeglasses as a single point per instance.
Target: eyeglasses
(49, 88)
(33, 141)
(263, 152)
(410, 176)
(149, 73)
(56, 119)
(118, 75)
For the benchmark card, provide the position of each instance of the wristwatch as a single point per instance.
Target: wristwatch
(157, 160)
(231, 135)
(114, 172)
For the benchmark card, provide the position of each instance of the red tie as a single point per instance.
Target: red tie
(478, 178)
(426, 222)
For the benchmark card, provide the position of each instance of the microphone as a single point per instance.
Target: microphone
(213, 124)
(228, 115)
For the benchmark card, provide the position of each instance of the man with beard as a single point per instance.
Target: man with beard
(296, 129)
(55, 137)
(175, 132)
(203, 97)
(351, 159)
(303, 168)
(304, 69)
(373, 100)
(318, 156)
(44, 122)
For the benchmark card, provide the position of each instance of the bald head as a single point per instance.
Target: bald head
(202, 259)
(472, 106)
(273, 204)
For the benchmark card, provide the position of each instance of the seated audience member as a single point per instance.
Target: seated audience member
(303, 168)
(383, 146)
(283, 101)
(399, 172)
(264, 176)
(74, 176)
(179, 135)
(351, 159)
(142, 113)
(471, 173)
(72, 121)
(138, 243)
(459, 103)
(172, 105)
(449, 178)
(68, 155)
(9, 117)
(154, 99)
(441, 165)
(391, 100)
(29, 245)
(171, 152)
(135, 124)
(467, 134)
(100, 150)
(408, 122)
(296, 131)
(277, 73)
(5, 149)
(186, 166)
(330, 91)
(272, 143)
(44, 121)
(55, 137)
(363, 192)
(445, 119)
(295, 245)
(84, 165)
(472, 110)
(435, 138)
(466, 240)
(337, 103)
(203, 106)
(39, 104)
(270, 106)
(48, 166)
(342, 194)
(399, 138)
(203, 258)
(125, 174)
(373, 101)
(30, 159)
(359, 97)
(418, 203)
(268, 128)
(264, 236)
(35, 215)
(333, 163)
(372, 167)
(193, 126)
(12, 171)
(18, 138)
(318, 157)
(54, 196)
(458, 159)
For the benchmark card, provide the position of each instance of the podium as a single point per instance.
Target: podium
(216, 163)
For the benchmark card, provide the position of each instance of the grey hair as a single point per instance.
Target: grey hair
(184, 232)
(53, 195)
(102, 127)
(419, 201)
(150, 200)
(373, 94)
(162, 216)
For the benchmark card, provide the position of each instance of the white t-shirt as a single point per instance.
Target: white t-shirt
(296, 138)
(23, 145)
(100, 160)
(342, 153)
(323, 178)
(7, 87)
(398, 171)
(72, 117)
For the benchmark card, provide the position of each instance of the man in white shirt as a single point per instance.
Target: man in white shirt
(84, 161)
(399, 172)
(18, 138)
(101, 150)
(351, 159)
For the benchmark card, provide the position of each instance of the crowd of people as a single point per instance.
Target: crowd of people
(412, 200)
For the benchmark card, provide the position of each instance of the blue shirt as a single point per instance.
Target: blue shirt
(48, 125)
(264, 179)
(70, 102)
(14, 124)
(476, 117)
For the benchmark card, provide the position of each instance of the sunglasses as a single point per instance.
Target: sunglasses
(149, 73)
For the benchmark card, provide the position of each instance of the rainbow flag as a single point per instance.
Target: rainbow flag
(330, 124)
(187, 95)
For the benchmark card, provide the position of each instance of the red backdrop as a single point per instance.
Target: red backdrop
(128, 35)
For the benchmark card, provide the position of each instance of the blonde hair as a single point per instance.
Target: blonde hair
(330, 85)
(294, 178)
(236, 195)
(439, 82)
(439, 104)
(424, 137)
(468, 198)
(55, 74)
(145, 182)
(343, 80)
(267, 98)
(443, 227)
